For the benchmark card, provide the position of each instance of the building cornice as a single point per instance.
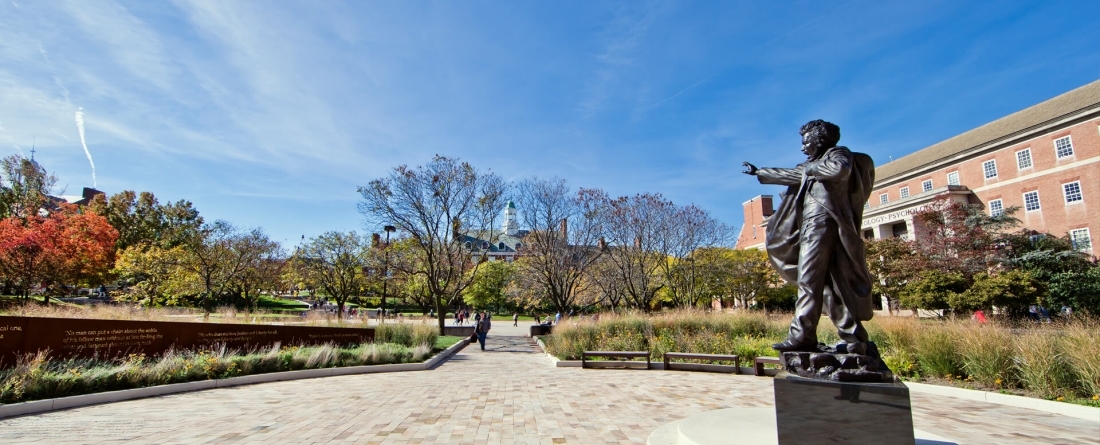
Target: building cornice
(1018, 137)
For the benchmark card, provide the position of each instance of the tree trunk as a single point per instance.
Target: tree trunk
(441, 314)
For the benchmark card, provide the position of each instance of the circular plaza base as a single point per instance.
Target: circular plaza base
(734, 426)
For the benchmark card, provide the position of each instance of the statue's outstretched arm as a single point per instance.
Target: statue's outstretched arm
(780, 176)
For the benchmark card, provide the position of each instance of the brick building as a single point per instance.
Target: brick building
(1044, 159)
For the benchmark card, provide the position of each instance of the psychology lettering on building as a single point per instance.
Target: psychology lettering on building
(894, 216)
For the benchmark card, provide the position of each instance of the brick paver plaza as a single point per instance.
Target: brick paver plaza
(509, 394)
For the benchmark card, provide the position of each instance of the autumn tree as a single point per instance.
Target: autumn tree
(561, 245)
(335, 261)
(141, 220)
(438, 204)
(264, 260)
(961, 238)
(65, 247)
(25, 188)
(152, 276)
(490, 286)
(892, 265)
(689, 229)
(216, 262)
(605, 286)
(745, 274)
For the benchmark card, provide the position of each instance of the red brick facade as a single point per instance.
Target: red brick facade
(1033, 161)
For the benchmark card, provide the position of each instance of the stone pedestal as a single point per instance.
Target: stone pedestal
(811, 411)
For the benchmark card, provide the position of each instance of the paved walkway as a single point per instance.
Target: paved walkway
(508, 394)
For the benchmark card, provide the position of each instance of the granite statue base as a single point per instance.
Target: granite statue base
(825, 412)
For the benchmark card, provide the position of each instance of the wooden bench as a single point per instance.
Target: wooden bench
(709, 357)
(759, 362)
(618, 354)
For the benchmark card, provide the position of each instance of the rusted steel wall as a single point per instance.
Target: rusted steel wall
(73, 337)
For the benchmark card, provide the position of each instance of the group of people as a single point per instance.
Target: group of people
(462, 316)
(555, 319)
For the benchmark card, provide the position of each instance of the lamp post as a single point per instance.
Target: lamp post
(385, 273)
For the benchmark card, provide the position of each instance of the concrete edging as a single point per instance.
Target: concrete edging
(1049, 406)
(42, 406)
(558, 363)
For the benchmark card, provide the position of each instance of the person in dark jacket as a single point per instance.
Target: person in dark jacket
(814, 241)
(482, 328)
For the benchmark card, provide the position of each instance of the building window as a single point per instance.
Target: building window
(996, 207)
(883, 198)
(1072, 192)
(926, 185)
(1064, 147)
(1081, 239)
(867, 205)
(904, 192)
(1031, 201)
(990, 168)
(1023, 159)
(953, 178)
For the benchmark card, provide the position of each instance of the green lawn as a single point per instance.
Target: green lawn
(8, 300)
(276, 303)
(446, 341)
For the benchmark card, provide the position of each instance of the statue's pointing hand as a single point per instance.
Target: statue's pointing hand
(749, 168)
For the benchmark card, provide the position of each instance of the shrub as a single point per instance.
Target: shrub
(902, 361)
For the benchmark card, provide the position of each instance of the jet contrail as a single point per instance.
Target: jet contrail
(80, 128)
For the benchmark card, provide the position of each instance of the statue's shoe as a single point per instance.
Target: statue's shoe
(791, 345)
(859, 348)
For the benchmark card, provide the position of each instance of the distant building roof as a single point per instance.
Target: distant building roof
(504, 243)
(1082, 98)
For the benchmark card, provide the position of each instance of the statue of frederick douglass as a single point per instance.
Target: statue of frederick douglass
(814, 240)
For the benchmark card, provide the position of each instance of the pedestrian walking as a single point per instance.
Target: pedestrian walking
(515, 319)
(482, 328)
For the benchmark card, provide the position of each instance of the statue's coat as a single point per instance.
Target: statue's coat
(840, 182)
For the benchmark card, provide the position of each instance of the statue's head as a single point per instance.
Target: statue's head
(818, 136)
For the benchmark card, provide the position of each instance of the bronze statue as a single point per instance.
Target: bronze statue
(814, 240)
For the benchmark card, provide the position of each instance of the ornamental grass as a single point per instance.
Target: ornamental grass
(1060, 361)
(37, 376)
(1080, 344)
(746, 334)
(1042, 365)
(987, 352)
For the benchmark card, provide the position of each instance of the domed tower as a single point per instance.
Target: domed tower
(510, 226)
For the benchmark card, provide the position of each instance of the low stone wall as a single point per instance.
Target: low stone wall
(458, 331)
(74, 337)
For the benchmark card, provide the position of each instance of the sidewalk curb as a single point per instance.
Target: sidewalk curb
(47, 405)
(1048, 406)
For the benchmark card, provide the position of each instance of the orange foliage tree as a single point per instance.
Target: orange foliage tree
(67, 247)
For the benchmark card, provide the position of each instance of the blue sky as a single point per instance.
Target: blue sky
(271, 113)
